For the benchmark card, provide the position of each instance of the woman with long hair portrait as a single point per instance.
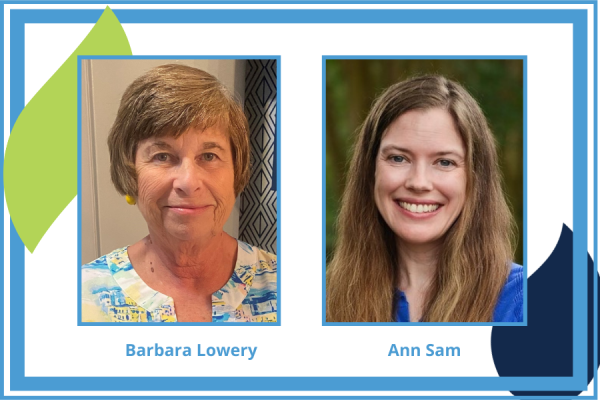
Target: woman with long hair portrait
(424, 231)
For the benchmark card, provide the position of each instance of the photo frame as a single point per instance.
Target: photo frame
(45, 356)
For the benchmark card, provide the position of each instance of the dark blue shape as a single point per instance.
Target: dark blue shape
(524, 351)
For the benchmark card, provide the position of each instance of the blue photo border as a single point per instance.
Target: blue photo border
(277, 167)
(324, 188)
(578, 19)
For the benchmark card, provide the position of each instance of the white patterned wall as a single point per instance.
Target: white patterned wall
(258, 209)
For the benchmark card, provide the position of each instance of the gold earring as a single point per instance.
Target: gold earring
(130, 200)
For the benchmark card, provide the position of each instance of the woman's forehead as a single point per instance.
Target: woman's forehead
(432, 130)
(211, 137)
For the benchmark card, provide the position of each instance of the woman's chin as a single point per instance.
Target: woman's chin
(418, 238)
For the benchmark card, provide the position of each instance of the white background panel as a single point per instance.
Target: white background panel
(301, 336)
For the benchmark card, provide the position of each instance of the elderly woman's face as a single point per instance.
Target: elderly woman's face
(420, 178)
(185, 185)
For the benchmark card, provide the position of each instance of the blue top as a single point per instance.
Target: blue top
(510, 301)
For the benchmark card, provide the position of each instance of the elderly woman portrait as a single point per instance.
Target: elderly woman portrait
(425, 233)
(179, 155)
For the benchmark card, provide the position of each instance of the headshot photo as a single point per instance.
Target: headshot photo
(178, 190)
(424, 198)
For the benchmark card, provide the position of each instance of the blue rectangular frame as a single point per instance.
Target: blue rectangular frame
(578, 18)
(324, 188)
(277, 168)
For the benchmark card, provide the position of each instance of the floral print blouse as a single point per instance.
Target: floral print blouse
(113, 292)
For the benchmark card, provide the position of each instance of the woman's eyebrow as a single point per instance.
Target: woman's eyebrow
(212, 145)
(397, 148)
(436, 154)
(448, 152)
(160, 145)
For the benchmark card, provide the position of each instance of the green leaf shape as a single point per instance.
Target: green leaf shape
(40, 164)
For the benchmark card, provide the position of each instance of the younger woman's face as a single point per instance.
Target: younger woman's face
(420, 176)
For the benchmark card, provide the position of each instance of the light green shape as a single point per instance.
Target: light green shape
(40, 164)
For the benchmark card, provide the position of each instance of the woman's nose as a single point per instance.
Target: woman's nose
(419, 179)
(188, 178)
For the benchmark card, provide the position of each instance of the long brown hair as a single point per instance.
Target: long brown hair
(474, 262)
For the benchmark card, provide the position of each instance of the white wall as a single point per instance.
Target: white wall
(107, 221)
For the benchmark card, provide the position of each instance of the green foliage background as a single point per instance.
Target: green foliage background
(352, 86)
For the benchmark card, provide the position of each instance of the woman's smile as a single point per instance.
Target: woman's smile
(419, 209)
(187, 210)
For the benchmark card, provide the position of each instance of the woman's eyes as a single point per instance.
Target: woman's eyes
(398, 159)
(166, 157)
(208, 157)
(446, 163)
(162, 157)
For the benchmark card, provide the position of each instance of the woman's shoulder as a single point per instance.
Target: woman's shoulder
(256, 274)
(104, 267)
(256, 257)
(118, 257)
(510, 302)
(516, 273)
(99, 263)
(257, 269)
(99, 287)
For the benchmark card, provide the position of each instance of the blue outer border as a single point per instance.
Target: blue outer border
(277, 166)
(578, 18)
(275, 2)
(324, 188)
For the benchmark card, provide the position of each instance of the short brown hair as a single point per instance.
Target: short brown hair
(167, 101)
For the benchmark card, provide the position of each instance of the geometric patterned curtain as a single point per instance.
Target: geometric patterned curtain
(258, 208)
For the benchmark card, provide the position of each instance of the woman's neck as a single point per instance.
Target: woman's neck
(417, 265)
(170, 265)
